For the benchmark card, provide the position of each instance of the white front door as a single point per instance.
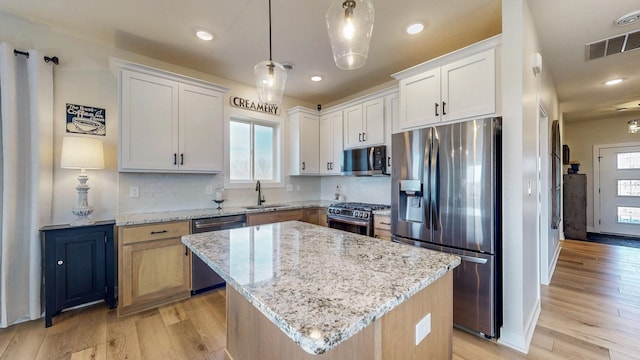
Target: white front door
(619, 177)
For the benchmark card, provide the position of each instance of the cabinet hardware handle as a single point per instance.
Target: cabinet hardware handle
(186, 251)
(331, 165)
(60, 262)
(376, 236)
(175, 159)
(436, 105)
(359, 137)
(388, 161)
(159, 232)
(303, 165)
(327, 166)
(384, 223)
(181, 159)
(444, 111)
(364, 136)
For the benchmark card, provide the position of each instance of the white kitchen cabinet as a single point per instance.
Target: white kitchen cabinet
(331, 143)
(392, 116)
(364, 124)
(169, 123)
(465, 88)
(304, 142)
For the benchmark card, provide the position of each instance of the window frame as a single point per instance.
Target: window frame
(278, 132)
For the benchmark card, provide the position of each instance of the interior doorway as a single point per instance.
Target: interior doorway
(617, 189)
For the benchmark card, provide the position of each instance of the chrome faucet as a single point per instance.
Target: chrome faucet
(260, 197)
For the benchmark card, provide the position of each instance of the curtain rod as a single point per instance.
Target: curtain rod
(47, 59)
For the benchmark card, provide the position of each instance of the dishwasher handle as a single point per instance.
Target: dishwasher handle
(209, 225)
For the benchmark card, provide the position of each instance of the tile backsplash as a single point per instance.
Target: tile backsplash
(367, 189)
(168, 192)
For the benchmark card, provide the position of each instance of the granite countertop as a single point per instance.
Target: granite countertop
(319, 285)
(153, 217)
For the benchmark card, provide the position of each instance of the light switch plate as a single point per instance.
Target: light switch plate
(423, 328)
(134, 191)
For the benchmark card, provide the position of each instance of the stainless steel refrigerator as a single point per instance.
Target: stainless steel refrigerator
(446, 186)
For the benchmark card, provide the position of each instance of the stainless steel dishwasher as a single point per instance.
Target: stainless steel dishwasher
(203, 278)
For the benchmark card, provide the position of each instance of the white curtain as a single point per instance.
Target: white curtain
(26, 113)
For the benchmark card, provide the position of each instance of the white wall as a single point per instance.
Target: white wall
(520, 89)
(83, 77)
(582, 135)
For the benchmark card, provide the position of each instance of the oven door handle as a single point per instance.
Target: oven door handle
(348, 221)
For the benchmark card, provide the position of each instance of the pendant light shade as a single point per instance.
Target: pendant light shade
(350, 24)
(270, 79)
(270, 76)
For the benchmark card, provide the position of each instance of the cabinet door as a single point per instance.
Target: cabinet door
(373, 122)
(153, 273)
(420, 100)
(80, 268)
(309, 144)
(469, 87)
(331, 143)
(149, 122)
(353, 126)
(201, 129)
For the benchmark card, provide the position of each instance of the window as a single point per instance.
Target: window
(628, 215)
(253, 151)
(628, 187)
(630, 160)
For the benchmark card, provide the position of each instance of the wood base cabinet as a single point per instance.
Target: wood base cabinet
(78, 266)
(154, 266)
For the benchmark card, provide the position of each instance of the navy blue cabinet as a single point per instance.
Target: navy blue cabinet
(78, 266)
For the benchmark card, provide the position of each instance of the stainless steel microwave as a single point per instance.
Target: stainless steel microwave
(366, 161)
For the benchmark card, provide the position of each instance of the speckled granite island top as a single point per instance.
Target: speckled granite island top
(319, 285)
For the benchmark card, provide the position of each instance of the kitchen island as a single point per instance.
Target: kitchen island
(301, 291)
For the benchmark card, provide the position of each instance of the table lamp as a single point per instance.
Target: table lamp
(82, 153)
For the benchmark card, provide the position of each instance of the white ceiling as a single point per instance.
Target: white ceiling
(564, 27)
(164, 29)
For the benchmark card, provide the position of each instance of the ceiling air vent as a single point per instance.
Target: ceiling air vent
(613, 45)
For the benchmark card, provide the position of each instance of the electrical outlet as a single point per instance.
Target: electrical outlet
(289, 187)
(209, 190)
(134, 191)
(423, 328)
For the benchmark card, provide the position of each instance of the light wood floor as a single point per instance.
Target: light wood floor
(590, 311)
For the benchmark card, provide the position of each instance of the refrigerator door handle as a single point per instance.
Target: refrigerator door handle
(473, 259)
(434, 191)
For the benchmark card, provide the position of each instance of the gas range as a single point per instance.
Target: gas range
(353, 217)
(355, 209)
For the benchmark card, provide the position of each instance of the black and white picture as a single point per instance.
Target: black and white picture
(83, 119)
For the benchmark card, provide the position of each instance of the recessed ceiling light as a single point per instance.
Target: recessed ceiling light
(204, 35)
(629, 18)
(613, 82)
(414, 28)
(316, 78)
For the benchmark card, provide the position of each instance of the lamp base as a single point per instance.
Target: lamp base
(83, 210)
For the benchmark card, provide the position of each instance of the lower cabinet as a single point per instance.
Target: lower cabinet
(154, 266)
(316, 216)
(78, 266)
(382, 227)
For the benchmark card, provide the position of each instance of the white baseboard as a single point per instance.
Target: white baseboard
(554, 262)
(521, 342)
(591, 229)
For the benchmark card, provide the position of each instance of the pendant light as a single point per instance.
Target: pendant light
(270, 76)
(350, 24)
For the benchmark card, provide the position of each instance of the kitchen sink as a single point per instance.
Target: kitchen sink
(265, 207)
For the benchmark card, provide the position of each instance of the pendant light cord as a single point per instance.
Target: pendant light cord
(270, 59)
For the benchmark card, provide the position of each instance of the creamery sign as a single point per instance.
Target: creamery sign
(255, 106)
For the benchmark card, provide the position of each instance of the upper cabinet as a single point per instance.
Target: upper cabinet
(304, 142)
(169, 123)
(364, 124)
(457, 86)
(331, 143)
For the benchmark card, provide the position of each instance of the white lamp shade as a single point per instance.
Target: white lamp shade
(270, 80)
(82, 153)
(350, 25)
